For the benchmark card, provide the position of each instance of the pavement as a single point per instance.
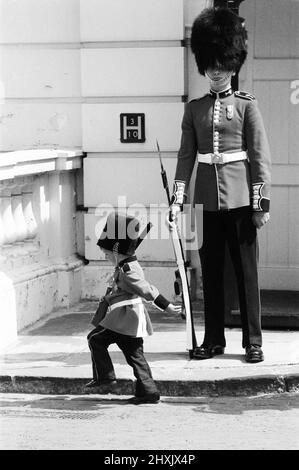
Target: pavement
(52, 357)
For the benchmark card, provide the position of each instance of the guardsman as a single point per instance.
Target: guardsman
(223, 131)
(126, 320)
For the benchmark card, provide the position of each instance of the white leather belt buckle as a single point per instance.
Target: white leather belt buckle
(221, 158)
(216, 158)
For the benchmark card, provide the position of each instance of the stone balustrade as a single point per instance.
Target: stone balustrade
(39, 266)
(17, 220)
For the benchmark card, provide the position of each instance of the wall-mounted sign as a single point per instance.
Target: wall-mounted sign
(132, 128)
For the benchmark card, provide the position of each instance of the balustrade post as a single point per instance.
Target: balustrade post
(27, 197)
(10, 229)
(2, 235)
(18, 215)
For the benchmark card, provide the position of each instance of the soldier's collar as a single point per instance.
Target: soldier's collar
(127, 260)
(222, 94)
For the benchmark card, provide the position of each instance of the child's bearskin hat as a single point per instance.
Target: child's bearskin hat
(120, 234)
(219, 38)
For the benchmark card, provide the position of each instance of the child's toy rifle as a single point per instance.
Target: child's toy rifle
(181, 273)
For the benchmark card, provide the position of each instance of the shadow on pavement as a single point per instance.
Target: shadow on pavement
(204, 405)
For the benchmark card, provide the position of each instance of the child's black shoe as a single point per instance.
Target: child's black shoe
(150, 398)
(107, 386)
(92, 384)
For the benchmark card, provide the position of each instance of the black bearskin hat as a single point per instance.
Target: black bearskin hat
(120, 234)
(219, 38)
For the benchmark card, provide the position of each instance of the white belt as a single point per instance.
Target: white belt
(138, 300)
(221, 158)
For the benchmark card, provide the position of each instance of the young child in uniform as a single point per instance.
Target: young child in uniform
(126, 321)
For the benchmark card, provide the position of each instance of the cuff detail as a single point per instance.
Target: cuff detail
(259, 203)
(179, 195)
(161, 302)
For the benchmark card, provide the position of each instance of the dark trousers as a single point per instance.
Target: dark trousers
(234, 228)
(100, 339)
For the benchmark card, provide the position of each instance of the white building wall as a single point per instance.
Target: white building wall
(132, 61)
(40, 112)
(68, 68)
(40, 89)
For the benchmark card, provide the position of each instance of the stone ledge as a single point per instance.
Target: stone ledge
(241, 386)
(35, 270)
(33, 161)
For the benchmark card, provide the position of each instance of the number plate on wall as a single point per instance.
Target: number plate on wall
(132, 128)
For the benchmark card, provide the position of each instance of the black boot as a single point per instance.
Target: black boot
(253, 353)
(206, 352)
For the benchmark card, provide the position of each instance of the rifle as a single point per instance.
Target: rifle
(181, 273)
(144, 233)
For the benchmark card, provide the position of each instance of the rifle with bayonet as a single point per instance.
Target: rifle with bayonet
(181, 282)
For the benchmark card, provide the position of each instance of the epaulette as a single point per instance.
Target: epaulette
(126, 267)
(244, 95)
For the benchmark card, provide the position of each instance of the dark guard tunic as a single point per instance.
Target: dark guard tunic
(226, 123)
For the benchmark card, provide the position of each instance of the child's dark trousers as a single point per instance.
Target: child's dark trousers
(100, 339)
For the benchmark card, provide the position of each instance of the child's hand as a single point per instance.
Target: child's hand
(174, 309)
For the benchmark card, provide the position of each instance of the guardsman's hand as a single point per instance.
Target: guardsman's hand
(260, 218)
(174, 309)
(174, 210)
